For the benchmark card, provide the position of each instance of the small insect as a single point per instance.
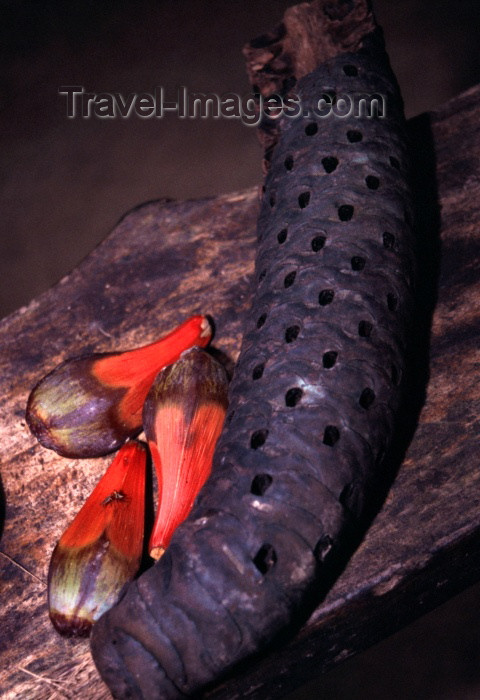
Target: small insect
(114, 496)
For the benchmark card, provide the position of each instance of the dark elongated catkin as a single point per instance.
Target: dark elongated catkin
(312, 403)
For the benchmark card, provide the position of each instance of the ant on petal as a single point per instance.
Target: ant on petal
(114, 496)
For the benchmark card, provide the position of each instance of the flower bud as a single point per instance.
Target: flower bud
(102, 548)
(183, 416)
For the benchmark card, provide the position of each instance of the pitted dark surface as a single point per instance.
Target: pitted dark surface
(312, 402)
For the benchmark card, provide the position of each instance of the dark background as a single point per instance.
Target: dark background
(64, 184)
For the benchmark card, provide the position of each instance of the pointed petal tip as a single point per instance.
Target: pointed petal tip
(157, 552)
(206, 327)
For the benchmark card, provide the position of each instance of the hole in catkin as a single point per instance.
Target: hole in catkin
(365, 329)
(260, 484)
(257, 371)
(261, 320)
(229, 417)
(345, 212)
(354, 136)
(392, 302)
(282, 236)
(272, 200)
(350, 70)
(346, 495)
(326, 297)
(331, 435)
(329, 163)
(289, 279)
(303, 200)
(329, 358)
(394, 162)
(373, 183)
(261, 276)
(323, 547)
(293, 396)
(367, 397)
(258, 439)
(388, 240)
(311, 129)
(265, 558)
(357, 263)
(291, 333)
(288, 162)
(317, 243)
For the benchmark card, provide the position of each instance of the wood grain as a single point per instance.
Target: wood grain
(167, 260)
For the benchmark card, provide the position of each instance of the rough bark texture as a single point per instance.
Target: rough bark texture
(310, 34)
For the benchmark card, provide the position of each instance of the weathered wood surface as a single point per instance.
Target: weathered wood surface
(165, 261)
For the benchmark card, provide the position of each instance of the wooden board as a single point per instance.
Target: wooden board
(167, 260)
